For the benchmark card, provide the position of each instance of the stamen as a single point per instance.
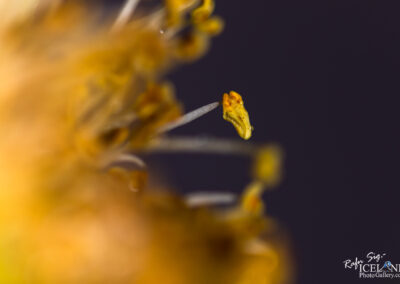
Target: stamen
(209, 198)
(125, 121)
(127, 161)
(202, 145)
(189, 117)
(125, 14)
(235, 113)
(252, 198)
(154, 19)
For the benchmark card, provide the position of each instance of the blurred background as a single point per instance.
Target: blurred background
(321, 78)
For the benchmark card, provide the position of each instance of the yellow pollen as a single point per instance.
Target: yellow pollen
(235, 113)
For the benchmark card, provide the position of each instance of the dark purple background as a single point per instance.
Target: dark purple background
(322, 79)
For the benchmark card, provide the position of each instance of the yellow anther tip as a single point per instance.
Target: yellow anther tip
(268, 165)
(203, 12)
(235, 113)
(252, 200)
(213, 26)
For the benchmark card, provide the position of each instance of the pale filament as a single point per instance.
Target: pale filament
(189, 117)
(125, 14)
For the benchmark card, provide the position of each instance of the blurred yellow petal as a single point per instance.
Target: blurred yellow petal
(78, 101)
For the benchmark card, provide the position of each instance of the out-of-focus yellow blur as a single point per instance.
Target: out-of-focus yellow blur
(71, 91)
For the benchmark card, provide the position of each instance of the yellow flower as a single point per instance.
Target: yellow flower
(82, 96)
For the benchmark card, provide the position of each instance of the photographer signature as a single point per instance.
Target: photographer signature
(371, 256)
